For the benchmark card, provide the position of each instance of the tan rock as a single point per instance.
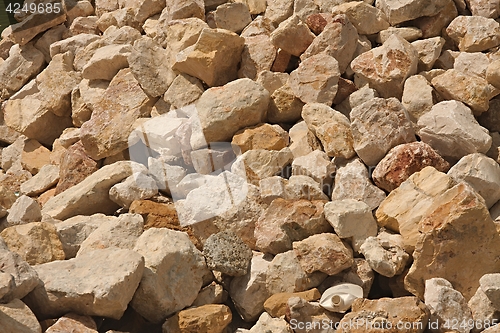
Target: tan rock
(303, 141)
(211, 318)
(146, 60)
(366, 18)
(474, 33)
(263, 136)
(183, 9)
(214, 68)
(351, 219)
(461, 204)
(107, 62)
(316, 79)
(389, 75)
(316, 165)
(220, 109)
(184, 90)
(102, 135)
(401, 11)
(24, 210)
(323, 252)
(47, 177)
(337, 39)
(292, 36)
(372, 141)
(36, 242)
(83, 197)
(266, 322)
(472, 63)
(74, 44)
(214, 293)
(83, 98)
(72, 285)
(490, 9)
(331, 128)
(432, 26)
(450, 129)
(261, 25)
(418, 97)
(404, 160)
(232, 16)
(17, 317)
(469, 89)
(277, 303)
(385, 257)
(120, 18)
(352, 181)
(383, 315)
(277, 11)
(358, 97)
(84, 25)
(258, 55)
(493, 73)
(429, 51)
(284, 106)
(23, 63)
(272, 80)
(73, 323)
(143, 9)
(306, 216)
(176, 35)
(23, 32)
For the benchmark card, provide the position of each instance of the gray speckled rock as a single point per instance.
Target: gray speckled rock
(227, 253)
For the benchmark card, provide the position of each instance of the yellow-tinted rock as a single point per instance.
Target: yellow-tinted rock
(277, 303)
(211, 318)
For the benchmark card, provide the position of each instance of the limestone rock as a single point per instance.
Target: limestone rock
(24, 31)
(284, 106)
(278, 11)
(439, 292)
(382, 315)
(473, 63)
(352, 181)
(35, 242)
(73, 323)
(292, 36)
(401, 11)
(432, 26)
(107, 62)
(172, 262)
(286, 221)
(249, 292)
(303, 141)
(474, 33)
(91, 195)
(72, 285)
(268, 324)
(316, 79)
(102, 135)
(17, 317)
(366, 18)
(258, 164)
(418, 97)
(323, 252)
(338, 39)
(482, 309)
(409, 33)
(263, 136)
(24, 210)
(388, 76)
(296, 187)
(227, 253)
(47, 177)
(404, 160)
(450, 129)
(211, 318)
(286, 275)
(469, 89)
(331, 128)
(358, 97)
(214, 57)
(301, 311)
(213, 110)
(214, 293)
(184, 90)
(122, 233)
(180, 9)
(429, 51)
(232, 16)
(73, 231)
(135, 187)
(351, 219)
(15, 268)
(462, 204)
(385, 258)
(493, 73)
(277, 303)
(373, 139)
(316, 165)
(483, 8)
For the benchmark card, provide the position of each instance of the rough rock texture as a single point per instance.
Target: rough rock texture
(474, 33)
(70, 286)
(400, 11)
(17, 317)
(277, 303)
(211, 318)
(263, 136)
(373, 138)
(227, 253)
(404, 160)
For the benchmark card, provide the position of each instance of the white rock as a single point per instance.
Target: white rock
(173, 275)
(24, 210)
(450, 129)
(121, 233)
(446, 304)
(136, 187)
(352, 181)
(372, 138)
(73, 285)
(418, 97)
(385, 258)
(166, 176)
(480, 172)
(316, 165)
(351, 219)
(303, 141)
(474, 63)
(266, 323)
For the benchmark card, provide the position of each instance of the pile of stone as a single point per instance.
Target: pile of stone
(214, 166)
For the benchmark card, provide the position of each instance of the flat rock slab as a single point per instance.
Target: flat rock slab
(97, 283)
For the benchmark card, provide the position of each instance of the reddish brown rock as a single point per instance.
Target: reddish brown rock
(404, 160)
(316, 23)
(75, 166)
